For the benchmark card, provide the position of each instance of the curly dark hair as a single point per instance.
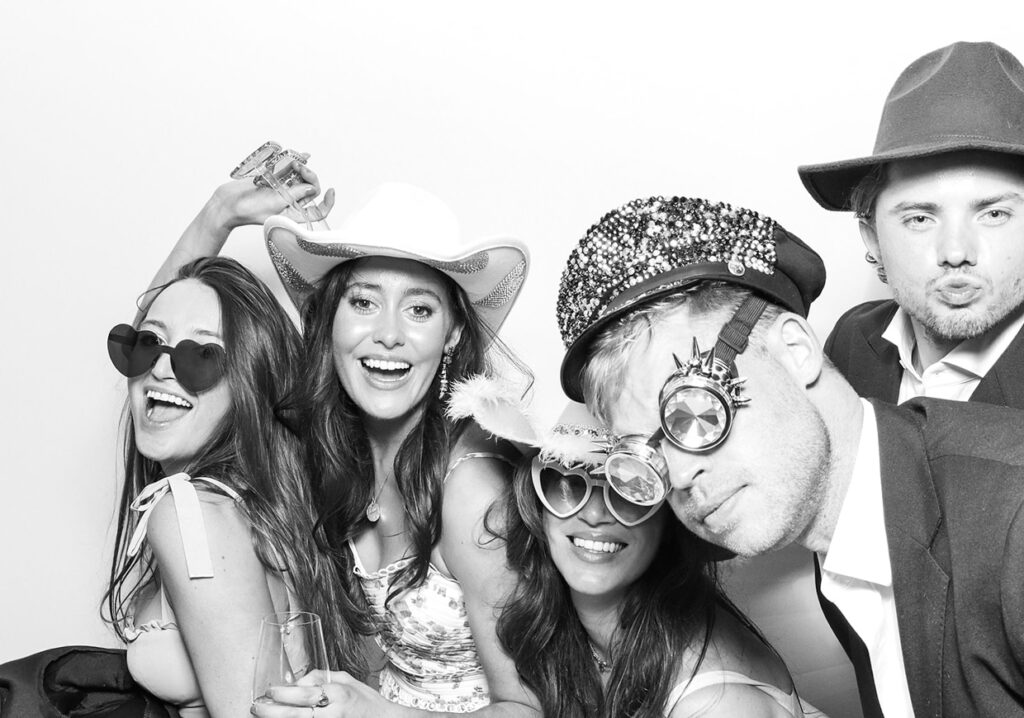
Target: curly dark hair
(254, 449)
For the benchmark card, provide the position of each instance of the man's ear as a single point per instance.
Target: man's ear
(869, 235)
(797, 348)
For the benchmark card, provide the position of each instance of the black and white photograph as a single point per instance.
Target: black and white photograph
(382, 360)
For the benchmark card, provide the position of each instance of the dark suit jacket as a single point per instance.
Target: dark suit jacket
(872, 365)
(953, 493)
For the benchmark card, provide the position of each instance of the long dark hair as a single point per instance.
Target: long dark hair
(668, 610)
(255, 450)
(340, 460)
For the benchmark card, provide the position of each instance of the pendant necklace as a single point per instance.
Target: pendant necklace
(373, 509)
(603, 666)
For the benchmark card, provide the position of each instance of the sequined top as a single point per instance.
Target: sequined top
(432, 661)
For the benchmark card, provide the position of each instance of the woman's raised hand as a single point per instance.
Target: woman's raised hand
(240, 202)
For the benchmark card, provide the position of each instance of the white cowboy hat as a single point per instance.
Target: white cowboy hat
(403, 221)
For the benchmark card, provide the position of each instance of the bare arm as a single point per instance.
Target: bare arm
(218, 617)
(233, 204)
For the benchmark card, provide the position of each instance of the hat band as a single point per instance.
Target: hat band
(776, 286)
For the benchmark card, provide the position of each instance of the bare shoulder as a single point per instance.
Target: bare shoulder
(479, 464)
(726, 700)
(735, 648)
(220, 521)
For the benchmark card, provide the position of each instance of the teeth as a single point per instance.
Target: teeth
(167, 398)
(386, 365)
(599, 546)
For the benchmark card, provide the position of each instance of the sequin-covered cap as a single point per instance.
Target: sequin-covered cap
(656, 246)
(406, 222)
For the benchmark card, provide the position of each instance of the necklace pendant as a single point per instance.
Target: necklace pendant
(373, 511)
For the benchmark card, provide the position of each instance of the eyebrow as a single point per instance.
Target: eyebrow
(410, 292)
(920, 206)
(996, 199)
(976, 204)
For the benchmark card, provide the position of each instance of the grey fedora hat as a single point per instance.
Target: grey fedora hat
(966, 96)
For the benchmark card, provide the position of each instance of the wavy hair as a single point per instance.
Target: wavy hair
(666, 612)
(339, 456)
(255, 449)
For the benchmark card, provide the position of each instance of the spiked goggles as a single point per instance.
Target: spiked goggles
(696, 405)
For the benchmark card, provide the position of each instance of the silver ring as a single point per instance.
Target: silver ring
(324, 698)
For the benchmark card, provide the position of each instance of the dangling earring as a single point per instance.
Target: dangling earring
(446, 359)
(879, 269)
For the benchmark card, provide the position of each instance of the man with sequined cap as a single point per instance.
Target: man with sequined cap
(940, 207)
(685, 328)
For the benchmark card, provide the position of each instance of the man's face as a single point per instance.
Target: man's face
(763, 486)
(950, 232)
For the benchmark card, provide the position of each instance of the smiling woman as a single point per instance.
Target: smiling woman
(396, 307)
(618, 611)
(216, 525)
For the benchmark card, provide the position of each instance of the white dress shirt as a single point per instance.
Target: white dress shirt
(856, 574)
(957, 374)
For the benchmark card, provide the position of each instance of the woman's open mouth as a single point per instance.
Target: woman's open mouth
(162, 407)
(386, 370)
(596, 546)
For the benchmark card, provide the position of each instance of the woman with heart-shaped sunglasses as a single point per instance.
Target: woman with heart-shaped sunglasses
(216, 522)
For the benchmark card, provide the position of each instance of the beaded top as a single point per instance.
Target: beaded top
(654, 236)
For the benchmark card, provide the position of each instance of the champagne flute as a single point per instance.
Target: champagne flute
(291, 645)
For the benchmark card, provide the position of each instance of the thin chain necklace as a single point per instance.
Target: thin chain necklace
(603, 666)
(373, 509)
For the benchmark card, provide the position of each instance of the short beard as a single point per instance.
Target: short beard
(957, 326)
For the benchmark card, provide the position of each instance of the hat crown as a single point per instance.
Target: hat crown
(965, 96)
(967, 90)
(403, 216)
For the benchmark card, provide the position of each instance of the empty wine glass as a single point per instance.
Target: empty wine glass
(291, 645)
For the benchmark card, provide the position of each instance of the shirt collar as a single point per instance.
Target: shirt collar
(859, 548)
(972, 356)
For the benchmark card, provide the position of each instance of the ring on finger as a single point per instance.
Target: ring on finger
(324, 698)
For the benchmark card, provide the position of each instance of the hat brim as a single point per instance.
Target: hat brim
(785, 293)
(832, 183)
(490, 271)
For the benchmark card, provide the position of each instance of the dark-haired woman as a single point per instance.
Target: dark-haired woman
(216, 525)
(617, 612)
(397, 306)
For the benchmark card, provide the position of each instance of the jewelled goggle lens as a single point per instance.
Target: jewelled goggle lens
(696, 413)
(565, 491)
(636, 469)
(197, 367)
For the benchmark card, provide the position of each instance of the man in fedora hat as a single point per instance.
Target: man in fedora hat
(940, 204)
(685, 329)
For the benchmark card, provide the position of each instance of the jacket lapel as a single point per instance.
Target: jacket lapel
(1004, 383)
(918, 551)
(883, 369)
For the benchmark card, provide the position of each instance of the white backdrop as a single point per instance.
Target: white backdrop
(119, 118)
